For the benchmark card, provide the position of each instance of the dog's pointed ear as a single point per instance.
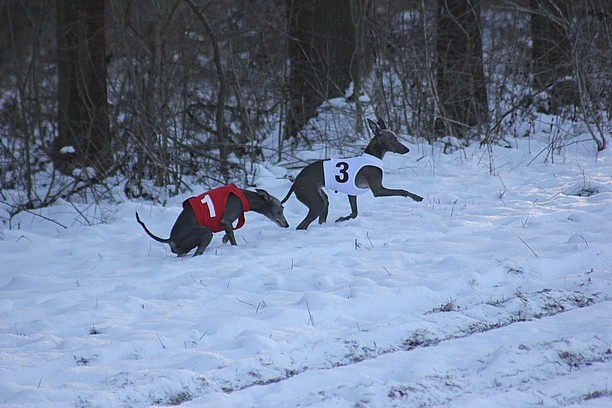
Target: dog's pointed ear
(382, 124)
(373, 126)
(263, 194)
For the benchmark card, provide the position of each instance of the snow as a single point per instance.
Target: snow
(67, 150)
(493, 291)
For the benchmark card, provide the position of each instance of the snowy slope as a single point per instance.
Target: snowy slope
(493, 291)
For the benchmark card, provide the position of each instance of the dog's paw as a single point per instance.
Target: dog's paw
(417, 198)
(225, 239)
(348, 217)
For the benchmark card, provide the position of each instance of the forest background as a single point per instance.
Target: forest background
(156, 95)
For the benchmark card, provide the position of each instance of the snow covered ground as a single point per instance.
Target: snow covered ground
(496, 290)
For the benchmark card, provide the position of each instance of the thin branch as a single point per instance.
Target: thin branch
(219, 117)
(527, 245)
(160, 341)
(310, 317)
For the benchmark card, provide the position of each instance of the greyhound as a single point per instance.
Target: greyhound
(352, 176)
(220, 207)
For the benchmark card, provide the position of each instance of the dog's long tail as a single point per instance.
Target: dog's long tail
(288, 195)
(158, 239)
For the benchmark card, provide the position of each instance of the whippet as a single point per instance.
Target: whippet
(214, 211)
(352, 176)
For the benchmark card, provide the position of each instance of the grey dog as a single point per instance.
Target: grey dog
(309, 183)
(187, 233)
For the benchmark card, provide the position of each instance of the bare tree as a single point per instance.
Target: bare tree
(361, 16)
(27, 103)
(461, 90)
(195, 92)
(404, 89)
(84, 137)
(221, 94)
(321, 48)
(551, 52)
(571, 60)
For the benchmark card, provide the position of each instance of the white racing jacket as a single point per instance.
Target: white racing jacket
(340, 174)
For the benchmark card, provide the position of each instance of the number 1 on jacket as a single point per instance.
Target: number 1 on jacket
(211, 208)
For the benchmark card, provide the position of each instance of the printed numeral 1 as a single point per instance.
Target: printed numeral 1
(211, 208)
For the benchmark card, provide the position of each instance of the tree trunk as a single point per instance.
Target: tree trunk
(321, 46)
(551, 53)
(360, 15)
(461, 90)
(84, 138)
(222, 141)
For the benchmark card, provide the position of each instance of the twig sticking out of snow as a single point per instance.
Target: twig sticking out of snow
(527, 245)
(310, 317)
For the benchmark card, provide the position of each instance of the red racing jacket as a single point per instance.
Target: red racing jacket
(209, 207)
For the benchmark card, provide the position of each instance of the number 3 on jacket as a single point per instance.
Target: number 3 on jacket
(340, 174)
(343, 176)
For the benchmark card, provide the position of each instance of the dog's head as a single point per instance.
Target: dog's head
(386, 139)
(273, 209)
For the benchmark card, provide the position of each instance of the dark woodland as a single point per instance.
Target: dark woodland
(144, 94)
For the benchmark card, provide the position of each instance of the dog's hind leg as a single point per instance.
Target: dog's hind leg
(323, 215)
(313, 212)
(205, 238)
(199, 237)
(313, 199)
(353, 214)
(193, 237)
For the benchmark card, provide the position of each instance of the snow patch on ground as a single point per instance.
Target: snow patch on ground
(495, 290)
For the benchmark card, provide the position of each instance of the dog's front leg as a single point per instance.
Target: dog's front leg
(387, 192)
(373, 179)
(415, 197)
(353, 214)
(229, 231)
(233, 210)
